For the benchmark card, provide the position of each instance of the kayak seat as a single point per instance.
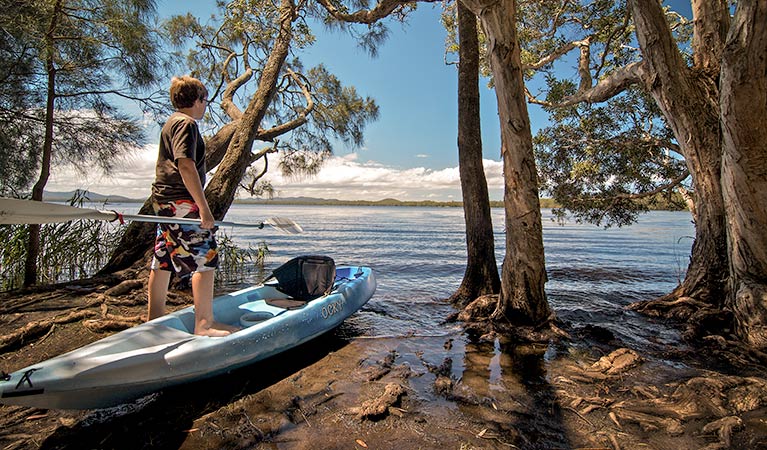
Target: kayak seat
(285, 303)
(252, 318)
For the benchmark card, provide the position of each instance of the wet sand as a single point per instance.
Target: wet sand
(447, 391)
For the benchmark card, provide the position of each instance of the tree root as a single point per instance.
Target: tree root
(34, 330)
(124, 287)
(112, 323)
(619, 361)
(724, 428)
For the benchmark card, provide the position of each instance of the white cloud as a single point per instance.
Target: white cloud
(342, 177)
(347, 179)
(131, 178)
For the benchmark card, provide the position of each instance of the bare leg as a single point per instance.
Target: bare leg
(157, 293)
(202, 290)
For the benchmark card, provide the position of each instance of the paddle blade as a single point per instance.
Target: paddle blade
(17, 211)
(284, 224)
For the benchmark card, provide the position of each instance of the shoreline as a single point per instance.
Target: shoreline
(451, 391)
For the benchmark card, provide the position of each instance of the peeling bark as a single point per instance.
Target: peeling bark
(744, 168)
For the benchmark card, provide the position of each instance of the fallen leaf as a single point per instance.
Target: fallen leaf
(361, 443)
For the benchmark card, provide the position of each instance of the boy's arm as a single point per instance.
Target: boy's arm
(191, 178)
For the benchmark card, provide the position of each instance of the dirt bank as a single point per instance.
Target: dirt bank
(417, 391)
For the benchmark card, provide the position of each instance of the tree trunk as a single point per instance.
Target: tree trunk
(33, 244)
(481, 276)
(523, 276)
(744, 168)
(223, 186)
(689, 101)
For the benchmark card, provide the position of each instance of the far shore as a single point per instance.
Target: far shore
(660, 204)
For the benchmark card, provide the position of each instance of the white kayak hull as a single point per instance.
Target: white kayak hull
(164, 352)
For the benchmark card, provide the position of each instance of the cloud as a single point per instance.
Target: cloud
(342, 177)
(348, 179)
(132, 177)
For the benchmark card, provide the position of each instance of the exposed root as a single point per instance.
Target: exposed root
(124, 287)
(33, 330)
(112, 323)
(724, 428)
(617, 362)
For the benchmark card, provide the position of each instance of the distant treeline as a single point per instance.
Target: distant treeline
(658, 202)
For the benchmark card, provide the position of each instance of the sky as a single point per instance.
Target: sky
(410, 152)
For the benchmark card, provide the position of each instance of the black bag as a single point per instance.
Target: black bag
(306, 277)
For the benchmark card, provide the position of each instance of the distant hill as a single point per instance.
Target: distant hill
(336, 202)
(92, 196)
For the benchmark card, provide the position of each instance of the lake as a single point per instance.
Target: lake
(419, 255)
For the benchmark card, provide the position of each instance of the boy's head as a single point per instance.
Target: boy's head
(185, 91)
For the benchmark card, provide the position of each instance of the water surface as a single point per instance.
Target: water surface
(419, 255)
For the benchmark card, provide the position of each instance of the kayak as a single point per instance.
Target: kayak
(164, 352)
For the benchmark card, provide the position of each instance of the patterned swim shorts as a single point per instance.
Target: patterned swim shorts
(184, 249)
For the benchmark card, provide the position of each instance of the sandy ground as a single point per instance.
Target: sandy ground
(585, 391)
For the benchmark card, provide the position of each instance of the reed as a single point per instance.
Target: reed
(78, 249)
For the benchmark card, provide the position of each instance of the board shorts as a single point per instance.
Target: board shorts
(184, 249)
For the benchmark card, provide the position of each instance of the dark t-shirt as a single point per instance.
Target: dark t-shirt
(180, 138)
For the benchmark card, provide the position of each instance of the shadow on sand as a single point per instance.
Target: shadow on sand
(165, 420)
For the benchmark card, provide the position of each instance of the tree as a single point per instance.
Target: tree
(522, 300)
(310, 107)
(481, 275)
(523, 275)
(743, 107)
(695, 96)
(66, 54)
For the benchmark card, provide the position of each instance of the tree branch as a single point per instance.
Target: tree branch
(270, 134)
(556, 54)
(607, 88)
(367, 16)
(227, 100)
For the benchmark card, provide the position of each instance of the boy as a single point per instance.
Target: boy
(178, 192)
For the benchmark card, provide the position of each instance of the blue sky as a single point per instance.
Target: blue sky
(410, 153)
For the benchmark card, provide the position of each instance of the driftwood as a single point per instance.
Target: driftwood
(378, 407)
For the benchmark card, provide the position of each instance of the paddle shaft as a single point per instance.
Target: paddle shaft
(19, 211)
(179, 220)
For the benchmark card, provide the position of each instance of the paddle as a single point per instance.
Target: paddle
(17, 211)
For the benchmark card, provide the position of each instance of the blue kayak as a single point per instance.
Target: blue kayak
(164, 352)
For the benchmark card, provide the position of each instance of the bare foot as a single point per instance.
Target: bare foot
(223, 326)
(211, 332)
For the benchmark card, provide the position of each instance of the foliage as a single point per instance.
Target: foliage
(233, 45)
(68, 250)
(77, 56)
(598, 162)
(603, 163)
(235, 262)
